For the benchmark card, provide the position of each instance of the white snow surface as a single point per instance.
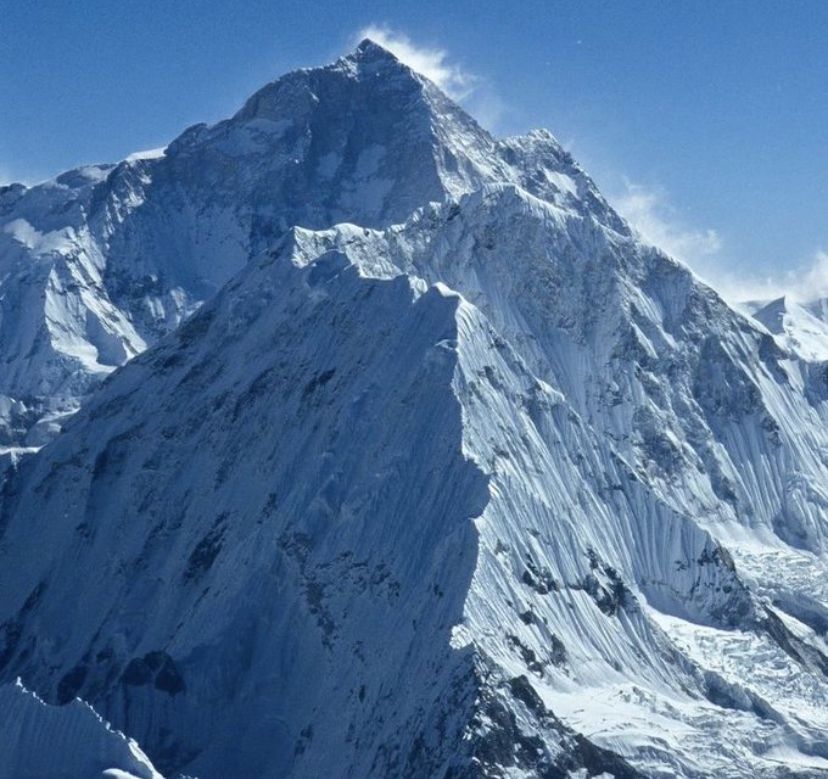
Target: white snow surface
(453, 478)
(800, 326)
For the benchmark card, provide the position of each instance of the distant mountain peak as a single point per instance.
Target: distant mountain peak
(372, 69)
(800, 326)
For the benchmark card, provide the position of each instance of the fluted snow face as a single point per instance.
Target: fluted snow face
(703, 452)
(473, 485)
(41, 741)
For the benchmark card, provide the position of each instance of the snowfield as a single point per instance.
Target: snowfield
(420, 463)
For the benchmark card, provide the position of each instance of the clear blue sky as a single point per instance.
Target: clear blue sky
(707, 121)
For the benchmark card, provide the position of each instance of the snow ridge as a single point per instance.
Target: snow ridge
(800, 327)
(63, 743)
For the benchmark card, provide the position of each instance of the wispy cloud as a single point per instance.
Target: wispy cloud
(659, 222)
(815, 281)
(807, 282)
(433, 62)
(654, 216)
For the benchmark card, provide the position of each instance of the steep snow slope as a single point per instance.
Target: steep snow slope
(338, 473)
(43, 742)
(328, 534)
(493, 491)
(308, 520)
(105, 259)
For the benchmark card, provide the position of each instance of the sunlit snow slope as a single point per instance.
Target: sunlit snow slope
(802, 327)
(472, 484)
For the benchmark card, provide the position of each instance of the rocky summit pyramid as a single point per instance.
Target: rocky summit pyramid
(102, 261)
(454, 477)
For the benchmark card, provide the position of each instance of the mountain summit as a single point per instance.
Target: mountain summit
(453, 476)
(102, 261)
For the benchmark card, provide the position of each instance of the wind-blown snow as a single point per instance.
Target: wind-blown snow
(147, 154)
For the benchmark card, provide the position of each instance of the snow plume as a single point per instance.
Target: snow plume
(433, 63)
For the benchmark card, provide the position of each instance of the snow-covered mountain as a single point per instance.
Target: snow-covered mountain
(801, 326)
(471, 484)
(103, 260)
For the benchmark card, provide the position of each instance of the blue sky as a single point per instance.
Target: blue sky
(705, 122)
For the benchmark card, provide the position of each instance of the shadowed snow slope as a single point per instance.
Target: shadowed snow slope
(44, 742)
(473, 485)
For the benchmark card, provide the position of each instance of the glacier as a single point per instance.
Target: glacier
(420, 462)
